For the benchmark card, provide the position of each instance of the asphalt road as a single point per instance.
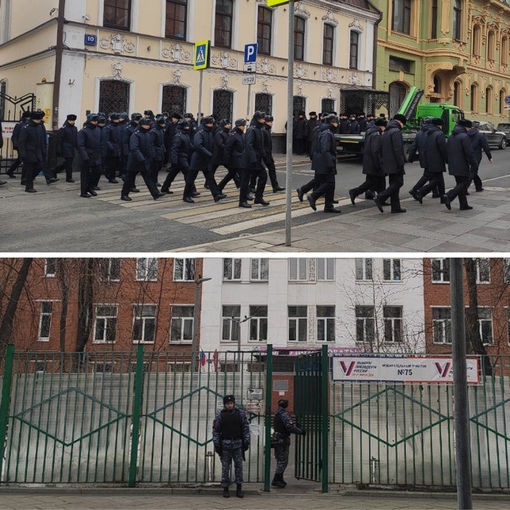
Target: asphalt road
(57, 220)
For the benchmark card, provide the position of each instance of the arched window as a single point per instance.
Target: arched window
(299, 103)
(457, 88)
(476, 40)
(264, 103)
(457, 20)
(113, 96)
(491, 46)
(504, 50)
(223, 104)
(174, 99)
(474, 97)
(489, 100)
(502, 95)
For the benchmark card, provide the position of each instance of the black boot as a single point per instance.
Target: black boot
(277, 481)
(282, 481)
(226, 494)
(239, 492)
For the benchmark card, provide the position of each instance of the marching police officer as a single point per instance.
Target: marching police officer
(113, 145)
(268, 154)
(14, 140)
(67, 137)
(479, 142)
(234, 149)
(158, 140)
(90, 149)
(231, 438)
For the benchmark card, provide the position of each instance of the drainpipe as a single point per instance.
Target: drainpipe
(59, 48)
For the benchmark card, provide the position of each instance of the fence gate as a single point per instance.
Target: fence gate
(310, 405)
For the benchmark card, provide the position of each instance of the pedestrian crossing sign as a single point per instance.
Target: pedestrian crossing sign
(201, 58)
(276, 3)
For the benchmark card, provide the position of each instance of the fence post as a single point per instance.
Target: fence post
(5, 404)
(269, 395)
(137, 407)
(325, 414)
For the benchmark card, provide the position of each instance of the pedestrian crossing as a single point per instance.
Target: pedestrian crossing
(223, 218)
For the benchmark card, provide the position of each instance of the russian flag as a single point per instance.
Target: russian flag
(203, 358)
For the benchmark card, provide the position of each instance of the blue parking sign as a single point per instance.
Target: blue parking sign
(250, 53)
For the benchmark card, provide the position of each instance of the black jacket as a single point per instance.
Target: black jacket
(203, 146)
(312, 124)
(418, 146)
(113, 139)
(16, 131)
(461, 156)
(234, 148)
(158, 140)
(220, 139)
(268, 145)
(126, 133)
(300, 128)
(479, 142)
(324, 156)
(355, 128)
(372, 152)
(67, 137)
(32, 142)
(141, 151)
(180, 152)
(435, 151)
(90, 144)
(254, 147)
(344, 127)
(393, 149)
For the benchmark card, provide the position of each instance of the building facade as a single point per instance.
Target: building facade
(129, 55)
(457, 51)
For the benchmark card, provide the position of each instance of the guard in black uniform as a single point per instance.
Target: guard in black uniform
(67, 137)
(268, 154)
(90, 149)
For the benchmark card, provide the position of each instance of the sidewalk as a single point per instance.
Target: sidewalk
(255, 498)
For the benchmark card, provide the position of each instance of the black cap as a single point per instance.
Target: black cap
(312, 113)
(224, 122)
(26, 115)
(259, 115)
(188, 115)
(400, 117)
(102, 119)
(37, 115)
(124, 116)
(283, 402)
(269, 118)
(176, 115)
(183, 123)
(92, 117)
(240, 122)
(437, 122)
(136, 116)
(208, 120)
(160, 119)
(331, 118)
(148, 112)
(71, 116)
(465, 123)
(229, 398)
(380, 122)
(145, 122)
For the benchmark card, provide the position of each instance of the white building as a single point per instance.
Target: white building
(374, 305)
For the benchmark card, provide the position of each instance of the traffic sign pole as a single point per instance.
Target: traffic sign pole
(200, 88)
(250, 62)
(248, 102)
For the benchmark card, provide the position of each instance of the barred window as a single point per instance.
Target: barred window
(113, 96)
(264, 103)
(174, 99)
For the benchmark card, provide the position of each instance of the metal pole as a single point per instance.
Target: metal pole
(290, 128)
(461, 403)
(324, 418)
(248, 102)
(194, 341)
(5, 403)
(267, 421)
(200, 87)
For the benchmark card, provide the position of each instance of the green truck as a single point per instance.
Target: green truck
(415, 113)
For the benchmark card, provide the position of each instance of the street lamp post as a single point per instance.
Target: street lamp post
(194, 344)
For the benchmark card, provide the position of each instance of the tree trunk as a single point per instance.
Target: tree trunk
(85, 303)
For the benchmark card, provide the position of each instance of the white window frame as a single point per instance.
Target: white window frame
(182, 321)
(232, 273)
(144, 320)
(358, 56)
(396, 322)
(444, 325)
(364, 322)
(364, 270)
(231, 324)
(326, 270)
(50, 269)
(259, 268)
(299, 324)
(184, 269)
(506, 270)
(42, 315)
(298, 269)
(323, 322)
(333, 52)
(106, 318)
(259, 323)
(147, 269)
(486, 320)
(107, 265)
(442, 277)
(394, 266)
(483, 269)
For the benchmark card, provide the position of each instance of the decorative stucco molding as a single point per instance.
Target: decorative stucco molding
(300, 71)
(329, 18)
(224, 60)
(300, 10)
(266, 66)
(329, 75)
(356, 25)
(118, 43)
(177, 53)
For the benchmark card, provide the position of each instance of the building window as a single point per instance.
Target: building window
(456, 93)
(223, 104)
(354, 50)
(506, 270)
(474, 97)
(483, 271)
(231, 323)
(477, 39)
(437, 85)
(259, 270)
(363, 268)
(299, 38)
(504, 50)
(113, 96)
(433, 20)
(184, 270)
(264, 103)
(258, 323)
(45, 320)
(441, 325)
(365, 324)
(491, 46)
(117, 14)
(298, 323)
(502, 95)
(328, 43)
(147, 269)
(105, 326)
(440, 270)
(298, 103)
(457, 19)
(144, 323)
(401, 16)
(181, 328)
(393, 324)
(174, 99)
(489, 100)
(175, 24)
(392, 270)
(400, 64)
(485, 325)
(325, 323)
(327, 105)
(326, 269)
(109, 270)
(223, 24)
(232, 269)
(264, 27)
(50, 267)
(298, 269)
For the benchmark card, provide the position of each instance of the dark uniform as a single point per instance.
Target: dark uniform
(14, 140)
(479, 143)
(418, 146)
(1, 145)
(234, 149)
(300, 133)
(180, 155)
(313, 123)
(231, 438)
(158, 140)
(113, 145)
(284, 425)
(268, 154)
(461, 162)
(126, 133)
(67, 137)
(220, 138)
(90, 149)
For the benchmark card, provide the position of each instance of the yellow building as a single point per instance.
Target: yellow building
(133, 55)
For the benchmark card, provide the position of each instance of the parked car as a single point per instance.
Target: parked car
(497, 139)
(505, 127)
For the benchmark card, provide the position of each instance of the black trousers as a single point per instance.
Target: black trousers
(326, 188)
(172, 174)
(372, 183)
(247, 174)
(66, 165)
(156, 167)
(459, 190)
(473, 177)
(422, 180)
(129, 182)
(436, 181)
(30, 171)
(113, 165)
(396, 181)
(271, 170)
(89, 177)
(312, 184)
(232, 175)
(15, 164)
(209, 180)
